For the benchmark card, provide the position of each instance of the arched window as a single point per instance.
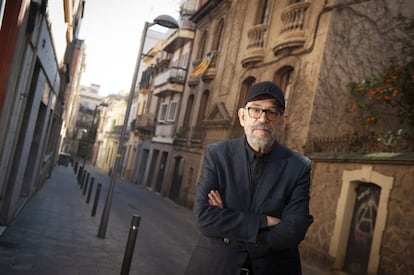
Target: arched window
(188, 111)
(202, 46)
(263, 12)
(283, 78)
(247, 83)
(218, 35)
(203, 107)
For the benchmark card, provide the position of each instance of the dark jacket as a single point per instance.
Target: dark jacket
(232, 233)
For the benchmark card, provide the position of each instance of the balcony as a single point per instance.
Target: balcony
(292, 34)
(189, 137)
(194, 81)
(164, 133)
(255, 47)
(211, 71)
(178, 39)
(165, 130)
(144, 123)
(170, 82)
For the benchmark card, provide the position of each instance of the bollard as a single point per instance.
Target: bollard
(95, 202)
(88, 198)
(84, 178)
(75, 167)
(80, 172)
(85, 182)
(130, 246)
(86, 185)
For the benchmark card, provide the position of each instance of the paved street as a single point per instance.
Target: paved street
(56, 234)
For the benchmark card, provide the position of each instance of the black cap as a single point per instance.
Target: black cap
(266, 89)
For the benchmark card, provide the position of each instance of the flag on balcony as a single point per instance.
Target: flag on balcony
(203, 66)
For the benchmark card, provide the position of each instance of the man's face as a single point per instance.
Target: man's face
(261, 120)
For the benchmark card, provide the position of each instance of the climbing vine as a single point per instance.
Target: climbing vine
(384, 104)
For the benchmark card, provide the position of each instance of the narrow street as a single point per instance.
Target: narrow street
(56, 234)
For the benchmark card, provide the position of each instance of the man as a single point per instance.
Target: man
(252, 203)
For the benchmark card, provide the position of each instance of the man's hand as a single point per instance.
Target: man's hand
(214, 199)
(272, 221)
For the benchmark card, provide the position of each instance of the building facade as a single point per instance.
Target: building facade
(32, 94)
(313, 50)
(140, 101)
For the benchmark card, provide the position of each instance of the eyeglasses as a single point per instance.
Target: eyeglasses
(256, 113)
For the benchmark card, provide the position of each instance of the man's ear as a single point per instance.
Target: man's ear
(242, 116)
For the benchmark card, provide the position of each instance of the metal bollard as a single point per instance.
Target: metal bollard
(84, 178)
(80, 173)
(129, 250)
(86, 185)
(75, 167)
(95, 202)
(88, 198)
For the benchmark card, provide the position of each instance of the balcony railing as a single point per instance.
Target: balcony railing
(189, 137)
(256, 36)
(292, 34)
(173, 75)
(211, 71)
(255, 46)
(358, 144)
(171, 81)
(144, 122)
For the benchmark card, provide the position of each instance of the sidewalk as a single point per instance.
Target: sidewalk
(55, 234)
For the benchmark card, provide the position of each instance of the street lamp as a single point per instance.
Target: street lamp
(103, 104)
(162, 20)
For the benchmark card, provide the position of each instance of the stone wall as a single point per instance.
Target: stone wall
(397, 243)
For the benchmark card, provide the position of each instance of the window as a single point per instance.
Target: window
(188, 111)
(202, 46)
(203, 107)
(184, 60)
(172, 110)
(168, 111)
(283, 78)
(174, 62)
(163, 112)
(218, 35)
(263, 12)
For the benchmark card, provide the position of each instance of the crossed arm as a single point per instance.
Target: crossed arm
(286, 227)
(214, 199)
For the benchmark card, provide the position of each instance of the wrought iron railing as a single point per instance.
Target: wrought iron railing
(357, 144)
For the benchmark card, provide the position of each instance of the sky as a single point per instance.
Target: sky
(112, 32)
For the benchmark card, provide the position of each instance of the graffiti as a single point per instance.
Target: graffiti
(365, 220)
(362, 227)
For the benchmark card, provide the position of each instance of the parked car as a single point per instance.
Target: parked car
(64, 159)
